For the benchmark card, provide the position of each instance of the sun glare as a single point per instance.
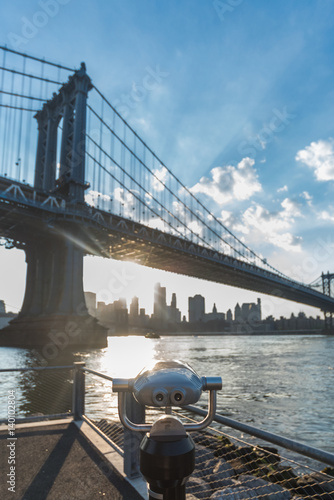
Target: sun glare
(128, 356)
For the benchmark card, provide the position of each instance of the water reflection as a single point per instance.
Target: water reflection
(46, 392)
(124, 357)
(281, 384)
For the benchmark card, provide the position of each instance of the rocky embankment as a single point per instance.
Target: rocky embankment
(225, 471)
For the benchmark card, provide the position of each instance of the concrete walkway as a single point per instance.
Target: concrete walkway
(58, 463)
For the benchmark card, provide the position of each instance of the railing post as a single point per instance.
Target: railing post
(78, 397)
(132, 440)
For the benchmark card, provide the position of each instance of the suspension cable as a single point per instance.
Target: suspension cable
(36, 58)
(189, 192)
(29, 75)
(219, 236)
(23, 96)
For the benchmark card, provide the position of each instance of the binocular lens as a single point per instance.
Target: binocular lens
(178, 397)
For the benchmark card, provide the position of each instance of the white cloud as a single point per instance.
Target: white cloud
(319, 156)
(160, 178)
(229, 183)
(282, 189)
(325, 215)
(307, 197)
(234, 223)
(273, 227)
(292, 209)
(95, 197)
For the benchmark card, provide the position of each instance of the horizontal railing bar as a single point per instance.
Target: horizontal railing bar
(37, 368)
(38, 417)
(289, 444)
(104, 436)
(97, 373)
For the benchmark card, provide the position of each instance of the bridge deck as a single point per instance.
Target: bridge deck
(28, 216)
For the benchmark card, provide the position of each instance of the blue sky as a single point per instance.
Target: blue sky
(242, 111)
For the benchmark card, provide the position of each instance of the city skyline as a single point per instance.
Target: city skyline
(129, 317)
(197, 310)
(125, 280)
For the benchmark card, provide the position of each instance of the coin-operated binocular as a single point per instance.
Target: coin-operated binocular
(167, 452)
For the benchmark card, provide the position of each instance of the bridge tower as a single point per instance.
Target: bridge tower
(327, 290)
(54, 308)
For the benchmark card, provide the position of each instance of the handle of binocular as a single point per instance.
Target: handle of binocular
(211, 384)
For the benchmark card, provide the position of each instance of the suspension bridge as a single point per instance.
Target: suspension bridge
(76, 179)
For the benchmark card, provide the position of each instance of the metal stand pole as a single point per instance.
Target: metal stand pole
(167, 459)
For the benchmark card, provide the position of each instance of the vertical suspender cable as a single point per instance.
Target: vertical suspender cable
(2, 166)
(88, 173)
(100, 151)
(28, 131)
(19, 160)
(8, 138)
(112, 153)
(123, 173)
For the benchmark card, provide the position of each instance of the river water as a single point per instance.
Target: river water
(280, 383)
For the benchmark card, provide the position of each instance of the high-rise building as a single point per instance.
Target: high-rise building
(214, 315)
(237, 313)
(173, 313)
(2, 307)
(248, 312)
(134, 311)
(120, 313)
(113, 314)
(90, 298)
(160, 305)
(143, 318)
(196, 308)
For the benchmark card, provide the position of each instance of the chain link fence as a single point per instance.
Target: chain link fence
(40, 393)
(234, 468)
(229, 466)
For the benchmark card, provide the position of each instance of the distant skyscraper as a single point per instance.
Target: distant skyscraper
(214, 315)
(237, 313)
(90, 299)
(160, 305)
(196, 308)
(120, 312)
(248, 312)
(134, 310)
(173, 313)
(259, 309)
(134, 307)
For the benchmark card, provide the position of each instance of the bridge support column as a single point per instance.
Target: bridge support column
(327, 290)
(54, 307)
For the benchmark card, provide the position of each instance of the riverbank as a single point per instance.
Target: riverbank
(225, 334)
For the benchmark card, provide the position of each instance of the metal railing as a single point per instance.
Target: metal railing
(225, 463)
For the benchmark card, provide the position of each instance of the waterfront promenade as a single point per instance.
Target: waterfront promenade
(58, 462)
